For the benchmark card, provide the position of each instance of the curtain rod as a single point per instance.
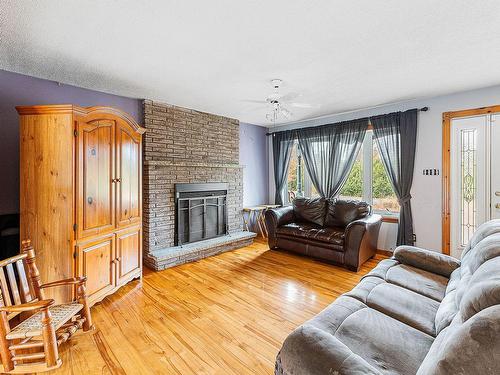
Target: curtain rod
(423, 109)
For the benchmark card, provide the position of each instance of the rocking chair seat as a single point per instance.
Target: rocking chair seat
(32, 326)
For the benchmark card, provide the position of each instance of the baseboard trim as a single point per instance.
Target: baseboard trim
(387, 253)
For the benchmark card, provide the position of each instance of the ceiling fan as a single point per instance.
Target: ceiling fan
(278, 103)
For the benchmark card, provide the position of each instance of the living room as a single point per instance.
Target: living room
(249, 188)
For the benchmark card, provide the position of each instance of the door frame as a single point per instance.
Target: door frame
(446, 180)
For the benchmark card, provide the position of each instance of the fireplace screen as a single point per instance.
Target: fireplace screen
(201, 212)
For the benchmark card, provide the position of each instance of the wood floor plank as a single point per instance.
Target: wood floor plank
(226, 314)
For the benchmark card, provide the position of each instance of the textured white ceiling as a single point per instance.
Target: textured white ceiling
(213, 55)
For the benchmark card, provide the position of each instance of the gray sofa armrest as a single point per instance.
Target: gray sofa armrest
(276, 217)
(426, 260)
(330, 355)
(361, 238)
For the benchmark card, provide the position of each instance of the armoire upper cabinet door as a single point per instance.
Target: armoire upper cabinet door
(128, 172)
(96, 163)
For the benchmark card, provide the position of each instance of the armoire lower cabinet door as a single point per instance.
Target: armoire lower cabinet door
(128, 254)
(96, 260)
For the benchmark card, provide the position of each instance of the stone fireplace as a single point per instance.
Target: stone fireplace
(183, 146)
(200, 212)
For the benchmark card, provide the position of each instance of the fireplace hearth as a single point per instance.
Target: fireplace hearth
(201, 212)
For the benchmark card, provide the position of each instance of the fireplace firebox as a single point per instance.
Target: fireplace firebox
(201, 212)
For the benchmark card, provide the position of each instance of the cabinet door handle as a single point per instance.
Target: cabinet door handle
(497, 193)
(497, 206)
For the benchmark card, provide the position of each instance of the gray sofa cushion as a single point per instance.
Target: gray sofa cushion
(483, 290)
(466, 349)
(447, 311)
(348, 330)
(426, 260)
(399, 303)
(423, 282)
(483, 231)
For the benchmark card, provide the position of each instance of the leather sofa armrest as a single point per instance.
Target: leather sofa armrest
(426, 260)
(360, 242)
(276, 217)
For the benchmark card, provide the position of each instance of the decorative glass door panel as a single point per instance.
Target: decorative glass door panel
(469, 179)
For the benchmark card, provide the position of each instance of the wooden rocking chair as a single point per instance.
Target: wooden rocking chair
(31, 344)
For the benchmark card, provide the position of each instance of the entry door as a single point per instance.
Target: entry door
(475, 176)
(495, 167)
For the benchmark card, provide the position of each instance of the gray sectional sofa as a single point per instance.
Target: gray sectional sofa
(420, 312)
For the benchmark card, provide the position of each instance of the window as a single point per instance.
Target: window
(367, 181)
(353, 187)
(384, 199)
(295, 182)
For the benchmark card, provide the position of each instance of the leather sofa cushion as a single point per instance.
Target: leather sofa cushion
(341, 212)
(310, 210)
(334, 236)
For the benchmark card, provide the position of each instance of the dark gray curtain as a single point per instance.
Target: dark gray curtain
(282, 148)
(329, 153)
(396, 136)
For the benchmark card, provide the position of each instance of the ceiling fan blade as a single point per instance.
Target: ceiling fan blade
(286, 113)
(255, 101)
(302, 105)
(289, 97)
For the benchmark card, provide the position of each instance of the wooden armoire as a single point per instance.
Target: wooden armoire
(81, 195)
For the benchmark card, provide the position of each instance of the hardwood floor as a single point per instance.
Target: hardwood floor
(226, 314)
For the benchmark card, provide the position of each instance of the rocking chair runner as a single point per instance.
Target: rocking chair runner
(32, 345)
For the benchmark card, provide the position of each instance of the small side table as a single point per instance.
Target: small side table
(253, 214)
(257, 214)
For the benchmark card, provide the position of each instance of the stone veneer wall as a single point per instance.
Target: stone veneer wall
(186, 146)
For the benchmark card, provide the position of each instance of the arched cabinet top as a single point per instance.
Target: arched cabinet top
(83, 112)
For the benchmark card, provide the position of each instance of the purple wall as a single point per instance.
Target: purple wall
(255, 159)
(18, 89)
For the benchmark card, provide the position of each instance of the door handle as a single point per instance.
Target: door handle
(497, 206)
(497, 193)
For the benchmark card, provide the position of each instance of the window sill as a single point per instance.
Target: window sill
(388, 217)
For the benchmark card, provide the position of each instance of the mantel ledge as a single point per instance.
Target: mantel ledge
(186, 163)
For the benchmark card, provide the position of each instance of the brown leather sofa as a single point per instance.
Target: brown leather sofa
(343, 232)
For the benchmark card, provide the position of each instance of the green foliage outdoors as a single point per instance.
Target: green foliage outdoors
(381, 185)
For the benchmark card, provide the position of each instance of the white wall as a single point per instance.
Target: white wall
(426, 190)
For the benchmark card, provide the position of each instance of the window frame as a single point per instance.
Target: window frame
(367, 188)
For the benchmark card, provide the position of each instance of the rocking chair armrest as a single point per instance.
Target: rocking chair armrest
(71, 281)
(30, 306)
